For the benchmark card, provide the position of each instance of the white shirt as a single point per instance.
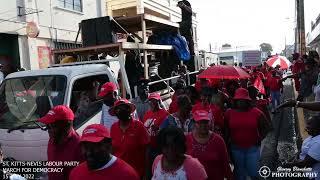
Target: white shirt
(311, 147)
(160, 174)
(106, 119)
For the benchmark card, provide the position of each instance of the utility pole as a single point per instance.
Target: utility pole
(300, 38)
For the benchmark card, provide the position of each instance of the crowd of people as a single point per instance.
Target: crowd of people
(212, 130)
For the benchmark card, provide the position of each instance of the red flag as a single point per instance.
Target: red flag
(259, 85)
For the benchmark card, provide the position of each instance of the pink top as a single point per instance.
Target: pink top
(191, 167)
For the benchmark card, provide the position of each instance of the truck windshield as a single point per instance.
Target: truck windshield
(19, 97)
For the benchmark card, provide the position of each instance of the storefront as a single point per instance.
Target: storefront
(9, 53)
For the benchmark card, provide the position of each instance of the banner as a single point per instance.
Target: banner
(44, 57)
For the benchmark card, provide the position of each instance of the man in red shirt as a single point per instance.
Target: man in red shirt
(276, 88)
(154, 118)
(152, 121)
(215, 112)
(129, 136)
(64, 142)
(297, 67)
(100, 164)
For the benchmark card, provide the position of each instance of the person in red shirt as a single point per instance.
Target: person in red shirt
(155, 117)
(129, 137)
(261, 104)
(64, 142)
(297, 67)
(246, 127)
(276, 88)
(209, 148)
(179, 90)
(267, 81)
(152, 121)
(100, 164)
(215, 112)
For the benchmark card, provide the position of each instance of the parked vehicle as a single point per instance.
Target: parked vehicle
(27, 95)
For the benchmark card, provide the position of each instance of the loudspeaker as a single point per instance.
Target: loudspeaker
(96, 31)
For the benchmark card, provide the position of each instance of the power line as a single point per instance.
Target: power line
(4, 12)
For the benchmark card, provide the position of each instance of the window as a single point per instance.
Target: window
(75, 5)
(84, 101)
(20, 98)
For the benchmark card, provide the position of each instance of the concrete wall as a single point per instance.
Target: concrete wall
(55, 22)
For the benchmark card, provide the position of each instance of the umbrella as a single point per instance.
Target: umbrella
(224, 72)
(279, 60)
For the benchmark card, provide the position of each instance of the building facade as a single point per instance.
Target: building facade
(57, 23)
(313, 37)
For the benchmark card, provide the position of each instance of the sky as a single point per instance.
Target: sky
(249, 22)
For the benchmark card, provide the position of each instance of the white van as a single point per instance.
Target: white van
(26, 95)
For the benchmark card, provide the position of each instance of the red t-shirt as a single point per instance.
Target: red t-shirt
(198, 87)
(119, 170)
(213, 156)
(243, 127)
(267, 82)
(130, 145)
(152, 121)
(275, 83)
(262, 105)
(298, 66)
(69, 150)
(217, 114)
(173, 108)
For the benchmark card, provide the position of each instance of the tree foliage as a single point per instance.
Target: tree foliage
(266, 47)
(226, 45)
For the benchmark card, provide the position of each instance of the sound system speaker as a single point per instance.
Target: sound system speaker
(96, 31)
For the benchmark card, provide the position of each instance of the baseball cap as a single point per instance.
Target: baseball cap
(107, 88)
(58, 113)
(201, 115)
(95, 133)
(155, 96)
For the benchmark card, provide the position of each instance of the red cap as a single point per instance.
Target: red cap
(57, 113)
(107, 88)
(121, 102)
(155, 96)
(242, 94)
(201, 115)
(94, 133)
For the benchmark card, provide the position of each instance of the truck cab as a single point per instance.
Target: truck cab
(27, 95)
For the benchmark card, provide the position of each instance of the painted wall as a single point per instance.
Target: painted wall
(55, 22)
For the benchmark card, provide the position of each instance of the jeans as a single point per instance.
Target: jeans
(246, 162)
(275, 99)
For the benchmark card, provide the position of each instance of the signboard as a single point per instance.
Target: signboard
(251, 58)
(44, 57)
(32, 30)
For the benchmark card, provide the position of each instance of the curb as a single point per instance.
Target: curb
(300, 117)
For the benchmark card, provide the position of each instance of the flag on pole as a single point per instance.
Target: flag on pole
(259, 85)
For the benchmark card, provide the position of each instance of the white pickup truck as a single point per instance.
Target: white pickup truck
(25, 95)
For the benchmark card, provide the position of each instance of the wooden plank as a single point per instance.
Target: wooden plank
(131, 46)
(151, 18)
(111, 48)
(133, 24)
(88, 50)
